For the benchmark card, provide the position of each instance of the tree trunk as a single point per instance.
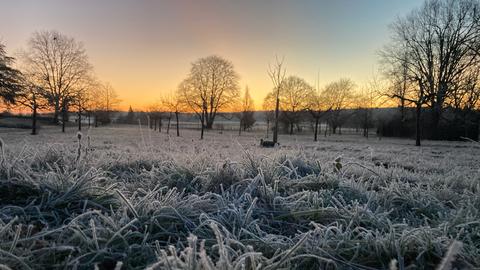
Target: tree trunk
(64, 119)
(275, 130)
(155, 124)
(268, 126)
(168, 125)
(55, 117)
(178, 128)
(160, 125)
(203, 127)
(209, 124)
(402, 110)
(240, 128)
(436, 112)
(89, 115)
(34, 119)
(56, 112)
(79, 118)
(418, 124)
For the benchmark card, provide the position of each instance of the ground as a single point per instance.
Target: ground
(130, 197)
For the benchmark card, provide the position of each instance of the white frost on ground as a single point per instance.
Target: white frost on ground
(145, 198)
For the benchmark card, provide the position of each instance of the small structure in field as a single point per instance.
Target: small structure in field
(265, 143)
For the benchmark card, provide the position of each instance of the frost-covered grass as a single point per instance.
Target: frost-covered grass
(135, 199)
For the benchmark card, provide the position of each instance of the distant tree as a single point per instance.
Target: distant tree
(32, 97)
(58, 63)
(268, 107)
(466, 102)
(295, 97)
(10, 78)
(66, 103)
(172, 103)
(364, 102)
(276, 72)
(107, 101)
(318, 109)
(82, 98)
(408, 85)
(155, 114)
(110, 99)
(246, 113)
(338, 96)
(95, 105)
(130, 118)
(211, 86)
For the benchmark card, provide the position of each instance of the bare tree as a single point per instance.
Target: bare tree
(268, 106)
(465, 102)
(276, 72)
(211, 86)
(294, 98)
(414, 92)
(246, 112)
(82, 98)
(437, 44)
(110, 98)
(338, 96)
(318, 109)
(364, 102)
(106, 101)
(91, 101)
(173, 104)
(32, 97)
(57, 63)
(95, 105)
(155, 115)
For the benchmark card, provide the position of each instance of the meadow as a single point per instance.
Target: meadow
(127, 197)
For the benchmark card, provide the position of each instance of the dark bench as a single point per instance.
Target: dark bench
(265, 143)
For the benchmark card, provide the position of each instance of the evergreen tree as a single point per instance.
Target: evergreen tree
(10, 85)
(130, 116)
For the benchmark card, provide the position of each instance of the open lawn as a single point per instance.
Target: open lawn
(131, 198)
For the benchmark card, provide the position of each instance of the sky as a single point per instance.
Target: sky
(144, 48)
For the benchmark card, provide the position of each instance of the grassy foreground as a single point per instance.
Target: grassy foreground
(80, 205)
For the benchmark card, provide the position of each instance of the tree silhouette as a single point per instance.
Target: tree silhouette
(10, 78)
(211, 86)
(57, 64)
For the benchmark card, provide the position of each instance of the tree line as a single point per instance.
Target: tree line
(429, 69)
(433, 64)
(211, 88)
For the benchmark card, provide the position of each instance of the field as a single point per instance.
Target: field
(131, 198)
